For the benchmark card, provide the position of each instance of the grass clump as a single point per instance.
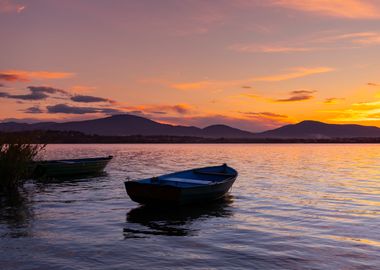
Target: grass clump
(16, 163)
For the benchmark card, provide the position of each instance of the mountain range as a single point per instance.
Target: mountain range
(128, 125)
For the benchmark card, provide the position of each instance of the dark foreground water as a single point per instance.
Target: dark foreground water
(292, 207)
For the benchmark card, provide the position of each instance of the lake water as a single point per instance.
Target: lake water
(292, 207)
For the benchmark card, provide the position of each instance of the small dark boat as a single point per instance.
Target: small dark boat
(70, 167)
(185, 187)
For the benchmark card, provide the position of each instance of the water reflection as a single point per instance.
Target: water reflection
(143, 221)
(295, 207)
(71, 178)
(16, 214)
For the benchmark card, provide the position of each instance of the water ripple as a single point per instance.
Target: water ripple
(292, 207)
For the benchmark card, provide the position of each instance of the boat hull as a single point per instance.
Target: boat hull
(145, 193)
(63, 168)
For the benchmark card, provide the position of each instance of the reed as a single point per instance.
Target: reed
(16, 160)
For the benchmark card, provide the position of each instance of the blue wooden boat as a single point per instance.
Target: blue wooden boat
(70, 167)
(185, 187)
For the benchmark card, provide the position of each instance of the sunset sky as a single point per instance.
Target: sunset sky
(250, 64)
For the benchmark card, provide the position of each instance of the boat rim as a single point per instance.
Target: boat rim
(234, 176)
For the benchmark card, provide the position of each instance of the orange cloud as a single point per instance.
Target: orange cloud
(253, 48)
(372, 40)
(194, 85)
(82, 89)
(359, 38)
(9, 6)
(9, 77)
(357, 112)
(264, 115)
(350, 9)
(333, 100)
(367, 105)
(309, 44)
(355, 35)
(248, 95)
(293, 73)
(375, 116)
(355, 116)
(22, 75)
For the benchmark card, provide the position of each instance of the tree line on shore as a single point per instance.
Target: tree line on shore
(67, 137)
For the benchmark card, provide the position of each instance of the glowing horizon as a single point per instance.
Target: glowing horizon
(250, 64)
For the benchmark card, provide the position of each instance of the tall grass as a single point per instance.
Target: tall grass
(16, 163)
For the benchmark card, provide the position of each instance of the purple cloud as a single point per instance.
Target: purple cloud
(33, 110)
(67, 109)
(36, 93)
(89, 99)
(298, 95)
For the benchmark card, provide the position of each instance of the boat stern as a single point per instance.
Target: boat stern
(148, 194)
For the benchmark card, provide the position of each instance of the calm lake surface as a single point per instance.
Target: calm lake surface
(292, 207)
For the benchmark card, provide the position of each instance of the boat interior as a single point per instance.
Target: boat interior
(194, 178)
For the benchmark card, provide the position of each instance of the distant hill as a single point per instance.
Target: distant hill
(319, 130)
(129, 125)
(218, 131)
(14, 126)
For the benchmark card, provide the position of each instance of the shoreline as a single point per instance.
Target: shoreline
(58, 137)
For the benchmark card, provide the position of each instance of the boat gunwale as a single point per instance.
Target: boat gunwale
(213, 183)
(74, 161)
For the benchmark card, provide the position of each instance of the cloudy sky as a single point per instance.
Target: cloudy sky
(251, 64)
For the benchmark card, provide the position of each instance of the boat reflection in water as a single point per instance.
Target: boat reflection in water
(71, 178)
(147, 220)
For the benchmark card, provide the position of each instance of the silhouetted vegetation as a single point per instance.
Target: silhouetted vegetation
(16, 157)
